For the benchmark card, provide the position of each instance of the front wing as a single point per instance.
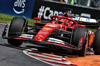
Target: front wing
(30, 38)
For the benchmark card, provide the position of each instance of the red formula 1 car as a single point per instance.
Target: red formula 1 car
(60, 33)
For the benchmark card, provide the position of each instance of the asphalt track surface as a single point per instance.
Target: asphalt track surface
(14, 56)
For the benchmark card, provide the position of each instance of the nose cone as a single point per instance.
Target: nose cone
(43, 33)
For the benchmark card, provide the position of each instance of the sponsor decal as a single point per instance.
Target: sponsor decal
(43, 32)
(87, 20)
(46, 12)
(56, 40)
(29, 36)
(65, 28)
(52, 40)
(47, 28)
(19, 6)
(76, 18)
(84, 19)
(41, 36)
(51, 25)
(26, 36)
(43, 12)
(38, 37)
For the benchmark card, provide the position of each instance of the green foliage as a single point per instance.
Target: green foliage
(7, 19)
(94, 30)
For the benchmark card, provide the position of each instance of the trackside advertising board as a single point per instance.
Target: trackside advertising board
(44, 9)
(17, 7)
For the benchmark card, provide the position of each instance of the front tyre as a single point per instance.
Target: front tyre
(17, 27)
(78, 34)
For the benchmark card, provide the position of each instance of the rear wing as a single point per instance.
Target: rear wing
(86, 20)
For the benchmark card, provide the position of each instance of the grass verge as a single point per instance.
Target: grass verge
(4, 18)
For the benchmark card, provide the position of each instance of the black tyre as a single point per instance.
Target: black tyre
(78, 33)
(96, 44)
(16, 28)
(15, 42)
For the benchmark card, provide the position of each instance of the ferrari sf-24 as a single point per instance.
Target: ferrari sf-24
(59, 33)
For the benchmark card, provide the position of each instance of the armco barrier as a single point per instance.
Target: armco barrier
(17, 7)
(44, 9)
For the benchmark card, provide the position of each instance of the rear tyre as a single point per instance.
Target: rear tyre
(17, 26)
(96, 44)
(78, 33)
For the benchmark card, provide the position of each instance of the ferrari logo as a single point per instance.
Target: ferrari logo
(65, 28)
